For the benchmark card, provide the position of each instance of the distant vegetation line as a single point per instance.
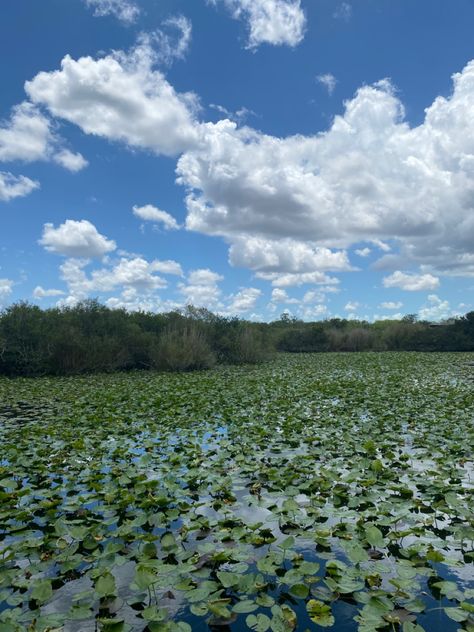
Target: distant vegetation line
(91, 337)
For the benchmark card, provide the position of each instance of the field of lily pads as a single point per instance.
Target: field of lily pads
(314, 491)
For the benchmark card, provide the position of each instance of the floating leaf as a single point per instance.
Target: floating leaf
(320, 613)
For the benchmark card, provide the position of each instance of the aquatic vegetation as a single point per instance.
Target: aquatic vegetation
(311, 492)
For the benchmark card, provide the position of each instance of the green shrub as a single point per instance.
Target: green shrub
(182, 349)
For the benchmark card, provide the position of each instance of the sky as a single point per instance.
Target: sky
(253, 157)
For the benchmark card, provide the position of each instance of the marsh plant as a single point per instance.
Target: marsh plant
(312, 491)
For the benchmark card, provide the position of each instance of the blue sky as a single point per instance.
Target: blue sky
(249, 156)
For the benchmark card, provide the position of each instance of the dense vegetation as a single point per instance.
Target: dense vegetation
(314, 491)
(91, 337)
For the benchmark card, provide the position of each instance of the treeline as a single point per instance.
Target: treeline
(91, 337)
(407, 334)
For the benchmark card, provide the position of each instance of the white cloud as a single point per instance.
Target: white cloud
(15, 186)
(319, 295)
(436, 309)
(201, 289)
(132, 301)
(277, 22)
(343, 12)
(151, 213)
(39, 292)
(397, 316)
(6, 288)
(391, 305)
(71, 161)
(133, 277)
(244, 300)
(28, 136)
(411, 282)
(314, 312)
(370, 177)
(239, 116)
(75, 239)
(204, 276)
(296, 279)
(172, 41)
(285, 255)
(381, 245)
(352, 306)
(120, 97)
(168, 267)
(329, 81)
(281, 296)
(136, 273)
(363, 252)
(126, 11)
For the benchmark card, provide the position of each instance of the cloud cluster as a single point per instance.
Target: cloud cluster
(290, 207)
(370, 177)
(276, 22)
(436, 309)
(135, 276)
(28, 136)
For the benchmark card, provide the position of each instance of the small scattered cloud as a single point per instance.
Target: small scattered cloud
(12, 186)
(150, 213)
(39, 292)
(239, 116)
(296, 279)
(244, 300)
(6, 288)
(135, 276)
(171, 41)
(276, 22)
(352, 306)
(201, 289)
(391, 305)
(126, 11)
(76, 239)
(436, 309)
(411, 282)
(71, 161)
(281, 296)
(363, 252)
(343, 12)
(329, 81)
(28, 136)
(168, 267)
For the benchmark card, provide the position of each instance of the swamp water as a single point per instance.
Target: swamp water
(315, 491)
